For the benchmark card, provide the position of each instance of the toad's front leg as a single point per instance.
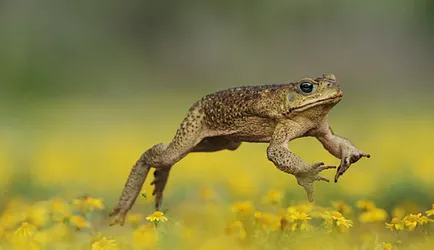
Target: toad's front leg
(339, 147)
(288, 162)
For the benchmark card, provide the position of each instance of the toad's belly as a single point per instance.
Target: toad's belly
(253, 129)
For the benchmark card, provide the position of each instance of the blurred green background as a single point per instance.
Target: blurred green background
(87, 86)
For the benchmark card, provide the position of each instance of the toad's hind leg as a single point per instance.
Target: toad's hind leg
(210, 144)
(161, 156)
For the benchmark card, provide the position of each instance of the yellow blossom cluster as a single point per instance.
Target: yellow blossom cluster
(312, 219)
(409, 222)
(370, 212)
(55, 223)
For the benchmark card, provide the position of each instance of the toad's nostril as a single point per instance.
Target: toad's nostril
(329, 85)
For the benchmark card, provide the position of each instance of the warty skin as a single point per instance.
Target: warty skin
(274, 114)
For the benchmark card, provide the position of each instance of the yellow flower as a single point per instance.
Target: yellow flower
(339, 219)
(273, 197)
(88, 204)
(373, 215)
(104, 244)
(336, 215)
(365, 205)
(386, 246)
(157, 216)
(257, 214)
(95, 203)
(344, 222)
(412, 220)
(243, 208)
(300, 220)
(144, 236)
(342, 207)
(25, 231)
(431, 211)
(300, 216)
(79, 222)
(335, 218)
(424, 220)
(395, 224)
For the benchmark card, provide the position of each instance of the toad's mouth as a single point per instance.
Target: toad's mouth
(334, 99)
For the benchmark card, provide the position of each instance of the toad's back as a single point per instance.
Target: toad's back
(238, 110)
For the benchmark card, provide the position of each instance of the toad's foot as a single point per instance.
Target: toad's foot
(118, 215)
(159, 182)
(349, 155)
(307, 177)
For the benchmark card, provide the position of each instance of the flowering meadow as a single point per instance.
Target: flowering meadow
(62, 178)
(79, 224)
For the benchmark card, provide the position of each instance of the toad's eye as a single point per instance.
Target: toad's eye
(306, 87)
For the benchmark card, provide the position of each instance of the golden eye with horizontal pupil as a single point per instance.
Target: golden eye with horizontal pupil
(306, 87)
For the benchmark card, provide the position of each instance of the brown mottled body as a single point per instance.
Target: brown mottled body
(275, 114)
